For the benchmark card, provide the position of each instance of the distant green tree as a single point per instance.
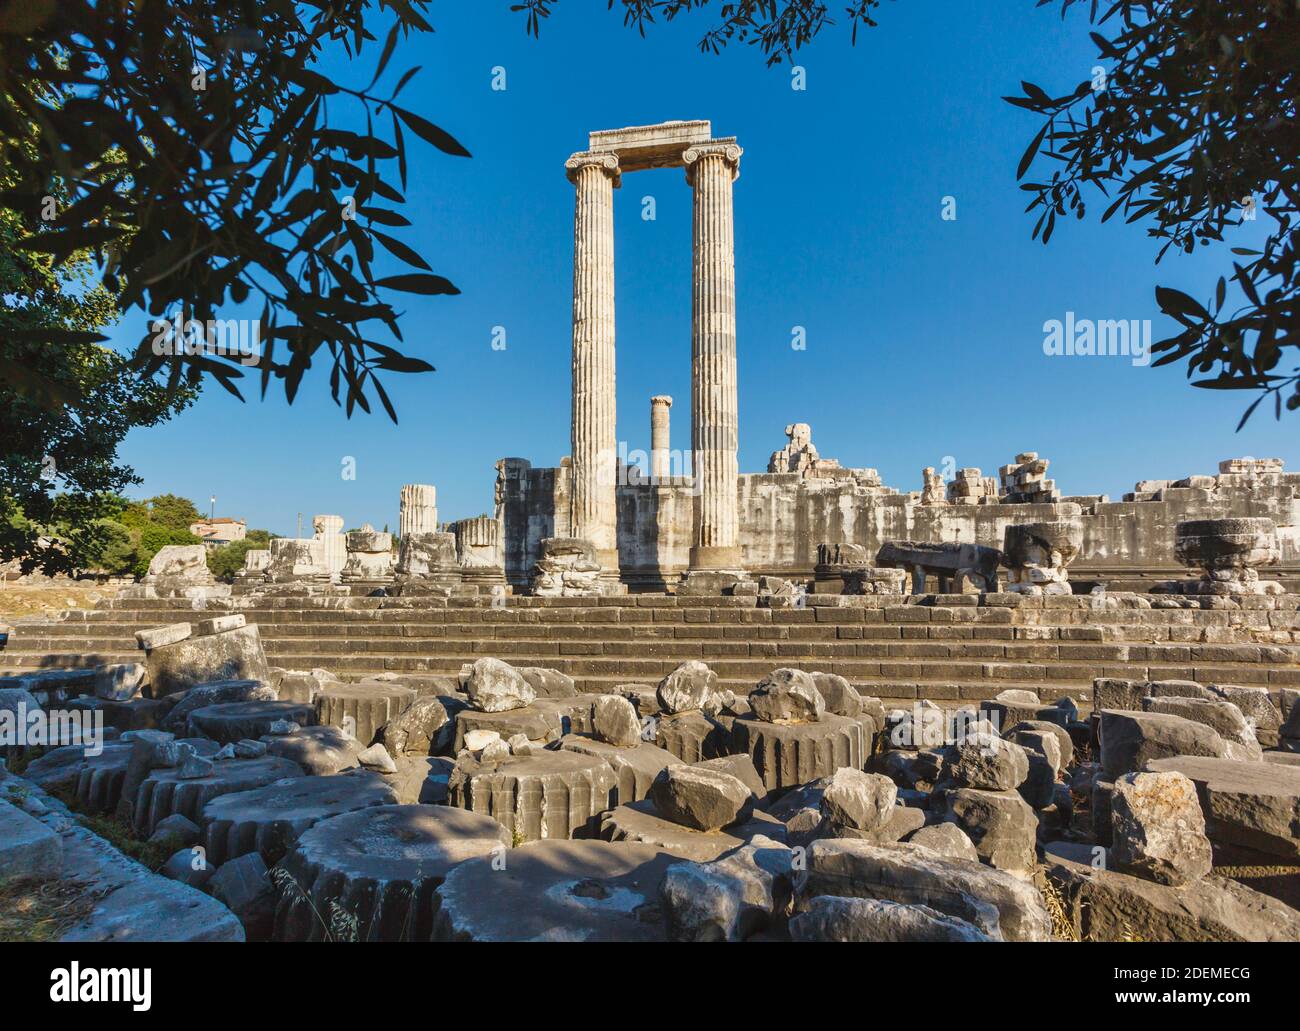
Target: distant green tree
(227, 560)
(119, 554)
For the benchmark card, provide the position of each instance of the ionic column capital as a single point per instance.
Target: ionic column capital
(607, 163)
(728, 152)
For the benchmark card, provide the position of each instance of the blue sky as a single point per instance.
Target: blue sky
(924, 336)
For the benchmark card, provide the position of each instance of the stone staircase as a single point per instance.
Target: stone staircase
(948, 648)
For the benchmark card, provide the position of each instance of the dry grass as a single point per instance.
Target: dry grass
(1062, 925)
(18, 601)
(32, 910)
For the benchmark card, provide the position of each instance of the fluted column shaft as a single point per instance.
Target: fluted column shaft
(660, 466)
(593, 511)
(711, 169)
(418, 511)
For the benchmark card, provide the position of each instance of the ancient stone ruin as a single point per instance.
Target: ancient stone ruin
(685, 704)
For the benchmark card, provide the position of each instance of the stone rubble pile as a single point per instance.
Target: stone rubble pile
(1024, 481)
(305, 807)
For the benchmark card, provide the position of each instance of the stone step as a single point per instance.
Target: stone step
(354, 659)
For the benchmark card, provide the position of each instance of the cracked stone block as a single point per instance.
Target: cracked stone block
(543, 795)
(269, 819)
(589, 891)
(229, 655)
(372, 875)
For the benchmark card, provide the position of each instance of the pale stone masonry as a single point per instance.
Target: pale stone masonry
(594, 442)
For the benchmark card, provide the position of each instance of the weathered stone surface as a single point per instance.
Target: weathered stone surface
(947, 840)
(991, 899)
(863, 801)
(304, 685)
(1001, 825)
(363, 708)
(376, 758)
(543, 795)
(230, 655)
(990, 763)
(540, 725)
(496, 686)
(702, 798)
(94, 781)
(232, 721)
(1130, 740)
(269, 819)
(119, 681)
(1255, 704)
(830, 918)
(1117, 693)
(164, 791)
(1253, 805)
(27, 847)
(840, 696)
(180, 830)
(220, 692)
(636, 768)
(614, 721)
(548, 683)
(320, 751)
(1221, 716)
(1105, 905)
(789, 754)
(415, 730)
(641, 822)
(1157, 830)
(729, 899)
(787, 696)
(590, 891)
(244, 886)
(371, 875)
(1065, 744)
(739, 766)
(687, 687)
(691, 736)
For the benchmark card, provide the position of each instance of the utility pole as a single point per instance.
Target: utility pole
(212, 507)
(299, 526)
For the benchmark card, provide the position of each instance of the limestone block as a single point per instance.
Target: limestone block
(691, 736)
(1157, 829)
(641, 822)
(991, 899)
(1130, 740)
(230, 655)
(636, 768)
(1001, 824)
(320, 751)
(830, 918)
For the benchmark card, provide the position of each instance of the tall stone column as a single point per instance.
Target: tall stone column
(593, 506)
(419, 510)
(711, 169)
(660, 466)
